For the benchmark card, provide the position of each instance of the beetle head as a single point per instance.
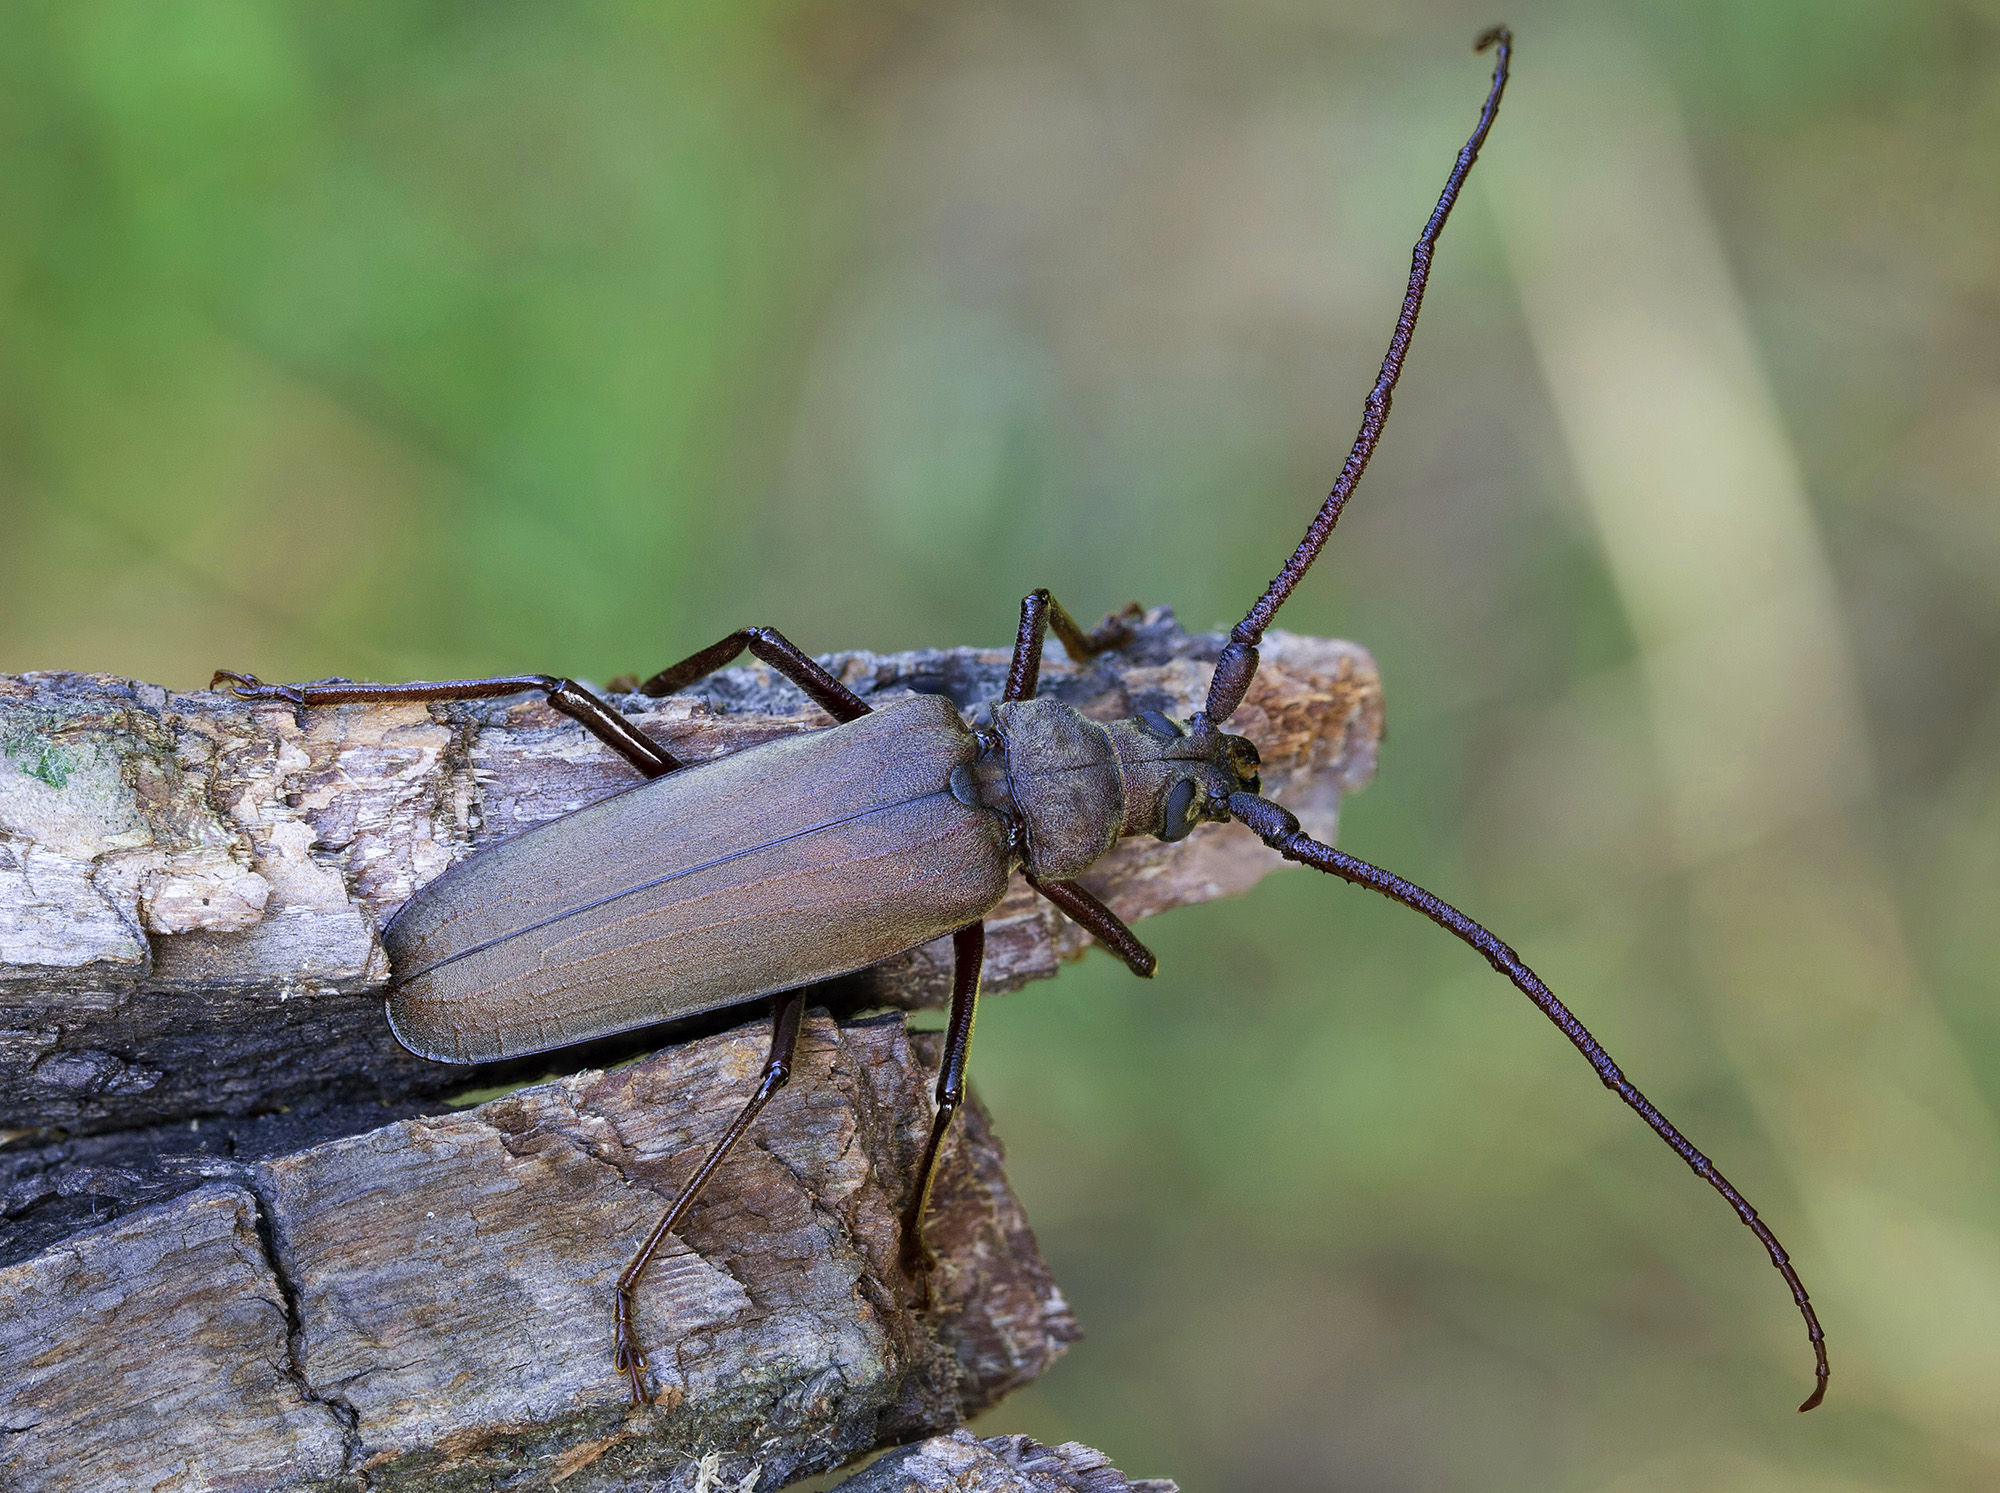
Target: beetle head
(1179, 774)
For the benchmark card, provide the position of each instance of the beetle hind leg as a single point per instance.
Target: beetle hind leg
(565, 695)
(968, 951)
(627, 1356)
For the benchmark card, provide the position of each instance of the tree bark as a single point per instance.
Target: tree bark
(248, 1243)
(426, 1306)
(962, 1463)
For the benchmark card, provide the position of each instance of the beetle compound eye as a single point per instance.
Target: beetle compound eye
(1243, 761)
(1161, 726)
(1180, 811)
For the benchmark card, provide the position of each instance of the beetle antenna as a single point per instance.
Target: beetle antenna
(1278, 828)
(1238, 663)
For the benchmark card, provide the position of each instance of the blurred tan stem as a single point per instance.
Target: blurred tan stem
(1762, 746)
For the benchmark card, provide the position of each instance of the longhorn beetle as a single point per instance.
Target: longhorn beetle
(758, 873)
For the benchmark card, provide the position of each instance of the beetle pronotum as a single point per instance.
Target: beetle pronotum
(759, 873)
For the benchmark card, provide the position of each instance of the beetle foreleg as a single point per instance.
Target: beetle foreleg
(968, 955)
(565, 695)
(628, 1359)
(1041, 612)
(775, 649)
(1100, 922)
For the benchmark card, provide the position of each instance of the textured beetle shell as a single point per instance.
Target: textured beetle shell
(790, 862)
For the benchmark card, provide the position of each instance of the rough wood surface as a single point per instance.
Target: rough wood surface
(962, 1463)
(250, 1246)
(426, 1306)
(191, 886)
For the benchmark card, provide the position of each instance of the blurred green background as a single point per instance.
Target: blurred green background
(403, 339)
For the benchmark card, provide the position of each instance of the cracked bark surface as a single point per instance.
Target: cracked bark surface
(427, 1306)
(249, 1245)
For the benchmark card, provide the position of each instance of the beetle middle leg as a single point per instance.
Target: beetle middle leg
(786, 1010)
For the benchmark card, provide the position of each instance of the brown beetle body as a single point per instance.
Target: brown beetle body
(791, 862)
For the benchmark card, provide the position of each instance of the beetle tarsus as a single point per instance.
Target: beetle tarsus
(250, 687)
(630, 1362)
(625, 1355)
(920, 1263)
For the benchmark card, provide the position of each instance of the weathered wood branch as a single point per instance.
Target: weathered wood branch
(243, 1267)
(191, 887)
(427, 1306)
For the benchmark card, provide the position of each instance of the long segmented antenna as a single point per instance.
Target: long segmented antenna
(1280, 830)
(1238, 664)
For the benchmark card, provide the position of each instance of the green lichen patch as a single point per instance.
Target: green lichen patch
(39, 758)
(65, 788)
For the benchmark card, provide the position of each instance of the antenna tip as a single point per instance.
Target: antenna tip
(1812, 1400)
(1499, 36)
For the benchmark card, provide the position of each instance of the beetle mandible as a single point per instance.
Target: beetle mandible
(759, 873)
